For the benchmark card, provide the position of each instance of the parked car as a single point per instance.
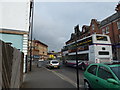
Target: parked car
(40, 63)
(53, 64)
(102, 75)
(81, 64)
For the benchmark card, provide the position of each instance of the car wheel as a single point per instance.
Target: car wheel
(87, 86)
(50, 67)
(58, 67)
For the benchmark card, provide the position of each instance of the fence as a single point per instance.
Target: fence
(11, 66)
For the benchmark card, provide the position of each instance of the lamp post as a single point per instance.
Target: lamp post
(77, 69)
(31, 30)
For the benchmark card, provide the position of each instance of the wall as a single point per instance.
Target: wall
(11, 66)
(15, 14)
(16, 40)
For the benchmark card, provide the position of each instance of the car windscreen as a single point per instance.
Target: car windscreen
(54, 62)
(116, 70)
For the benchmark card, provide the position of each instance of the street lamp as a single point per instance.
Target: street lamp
(77, 69)
(31, 30)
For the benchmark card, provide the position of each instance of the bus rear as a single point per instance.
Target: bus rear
(101, 50)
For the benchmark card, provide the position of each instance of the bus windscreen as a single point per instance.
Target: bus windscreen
(101, 38)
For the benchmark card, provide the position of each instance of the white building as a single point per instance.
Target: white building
(15, 15)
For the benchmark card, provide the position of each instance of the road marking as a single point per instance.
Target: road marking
(65, 78)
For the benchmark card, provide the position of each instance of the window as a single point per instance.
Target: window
(103, 31)
(54, 62)
(93, 27)
(83, 30)
(83, 56)
(104, 73)
(116, 70)
(92, 69)
(118, 24)
(103, 53)
(107, 30)
(101, 38)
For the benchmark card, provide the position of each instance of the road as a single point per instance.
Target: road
(69, 74)
(42, 77)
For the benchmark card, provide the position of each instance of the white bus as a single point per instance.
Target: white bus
(92, 49)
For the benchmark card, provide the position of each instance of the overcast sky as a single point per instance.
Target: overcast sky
(54, 21)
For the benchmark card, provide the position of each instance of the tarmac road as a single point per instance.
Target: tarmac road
(41, 77)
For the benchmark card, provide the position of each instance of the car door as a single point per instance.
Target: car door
(91, 76)
(103, 74)
(48, 64)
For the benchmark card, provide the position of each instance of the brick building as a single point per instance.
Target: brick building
(109, 26)
(39, 50)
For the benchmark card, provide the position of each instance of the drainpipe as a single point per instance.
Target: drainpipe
(114, 42)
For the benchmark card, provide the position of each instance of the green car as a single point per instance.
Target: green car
(104, 76)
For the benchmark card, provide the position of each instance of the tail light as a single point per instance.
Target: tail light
(97, 61)
(86, 63)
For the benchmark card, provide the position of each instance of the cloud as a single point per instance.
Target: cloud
(54, 22)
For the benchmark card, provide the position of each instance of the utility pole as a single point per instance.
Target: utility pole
(31, 31)
(77, 69)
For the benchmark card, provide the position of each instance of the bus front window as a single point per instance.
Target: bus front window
(101, 38)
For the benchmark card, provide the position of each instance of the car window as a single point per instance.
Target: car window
(116, 70)
(92, 69)
(54, 62)
(104, 73)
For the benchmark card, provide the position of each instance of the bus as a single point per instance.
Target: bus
(95, 48)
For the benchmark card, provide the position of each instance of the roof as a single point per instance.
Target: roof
(37, 41)
(12, 31)
(110, 19)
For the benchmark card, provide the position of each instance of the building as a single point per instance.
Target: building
(39, 50)
(54, 55)
(109, 26)
(16, 26)
(16, 38)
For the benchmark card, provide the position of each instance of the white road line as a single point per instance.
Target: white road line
(65, 78)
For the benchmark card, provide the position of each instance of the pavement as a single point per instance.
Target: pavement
(41, 77)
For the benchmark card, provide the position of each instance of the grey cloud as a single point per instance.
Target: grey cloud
(54, 22)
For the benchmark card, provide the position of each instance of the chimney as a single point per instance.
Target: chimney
(77, 31)
(118, 7)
